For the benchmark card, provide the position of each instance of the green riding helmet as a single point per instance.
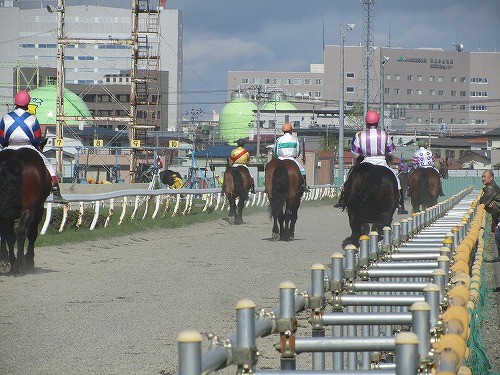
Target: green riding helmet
(422, 143)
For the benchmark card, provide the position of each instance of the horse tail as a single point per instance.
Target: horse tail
(238, 185)
(368, 189)
(423, 188)
(280, 190)
(10, 182)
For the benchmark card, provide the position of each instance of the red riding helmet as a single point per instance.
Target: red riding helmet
(22, 98)
(372, 118)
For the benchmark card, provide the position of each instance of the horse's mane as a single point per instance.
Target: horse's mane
(10, 191)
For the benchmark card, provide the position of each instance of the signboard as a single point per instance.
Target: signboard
(98, 143)
(134, 143)
(173, 144)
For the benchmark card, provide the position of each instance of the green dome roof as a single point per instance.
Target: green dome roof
(236, 119)
(44, 100)
(279, 106)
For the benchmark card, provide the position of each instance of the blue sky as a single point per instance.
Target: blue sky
(287, 35)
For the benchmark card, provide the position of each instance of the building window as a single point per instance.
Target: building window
(244, 80)
(287, 81)
(432, 92)
(440, 120)
(309, 94)
(409, 77)
(318, 94)
(419, 120)
(409, 91)
(396, 91)
(453, 120)
(454, 79)
(318, 81)
(277, 81)
(419, 92)
(388, 77)
(440, 79)
(397, 77)
(350, 75)
(350, 89)
(308, 81)
(462, 107)
(463, 93)
(431, 78)
(441, 92)
(298, 81)
(256, 81)
(387, 90)
(267, 81)
(439, 106)
(453, 93)
(419, 78)
(463, 80)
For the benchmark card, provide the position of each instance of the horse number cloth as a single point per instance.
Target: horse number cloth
(423, 158)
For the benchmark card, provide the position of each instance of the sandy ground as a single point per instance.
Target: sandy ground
(117, 306)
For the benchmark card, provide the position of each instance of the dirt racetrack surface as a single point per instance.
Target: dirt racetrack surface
(117, 306)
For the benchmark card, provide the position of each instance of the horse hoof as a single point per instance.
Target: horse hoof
(230, 219)
(275, 237)
(291, 238)
(5, 267)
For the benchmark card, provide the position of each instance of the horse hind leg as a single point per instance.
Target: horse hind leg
(32, 236)
(7, 243)
(276, 229)
(25, 222)
(239, 212)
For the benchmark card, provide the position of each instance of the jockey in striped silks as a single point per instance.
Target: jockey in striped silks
(374, 145)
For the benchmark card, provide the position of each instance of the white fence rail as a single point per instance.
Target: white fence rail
(167, 201)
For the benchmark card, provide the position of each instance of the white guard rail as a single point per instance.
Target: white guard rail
(131, 200)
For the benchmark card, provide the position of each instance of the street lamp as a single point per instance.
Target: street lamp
(382, 89)
(350, 26)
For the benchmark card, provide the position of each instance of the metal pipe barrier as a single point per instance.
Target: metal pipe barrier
(157, 204)
(397, 307)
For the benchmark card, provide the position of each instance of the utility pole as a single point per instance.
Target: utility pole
(350, 26)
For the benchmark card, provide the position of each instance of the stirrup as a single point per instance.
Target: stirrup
(57, 198)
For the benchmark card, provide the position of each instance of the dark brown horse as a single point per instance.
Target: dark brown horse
(425, 186)
(284, 188)
(371, 196)
(25, 184)
(236, 185)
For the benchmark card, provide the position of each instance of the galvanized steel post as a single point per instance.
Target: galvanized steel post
(189, 353)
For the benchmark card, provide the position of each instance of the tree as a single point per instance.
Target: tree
(355, 118)
(329, 142)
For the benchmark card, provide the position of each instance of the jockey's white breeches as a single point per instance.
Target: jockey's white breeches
(380, 160)
(243, 165)
(46, 161)
(302, 170)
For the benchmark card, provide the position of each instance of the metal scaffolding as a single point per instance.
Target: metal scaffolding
(144, 72)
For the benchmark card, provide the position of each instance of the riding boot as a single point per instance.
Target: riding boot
(401, 209)
(305, 188)
(56, 192)
(340, 203)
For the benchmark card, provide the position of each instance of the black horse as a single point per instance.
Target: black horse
(25, 184)
(236, 185)
(426, 187)
(284, 188)
(371, 196)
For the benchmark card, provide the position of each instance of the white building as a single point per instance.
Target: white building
(29, 37)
